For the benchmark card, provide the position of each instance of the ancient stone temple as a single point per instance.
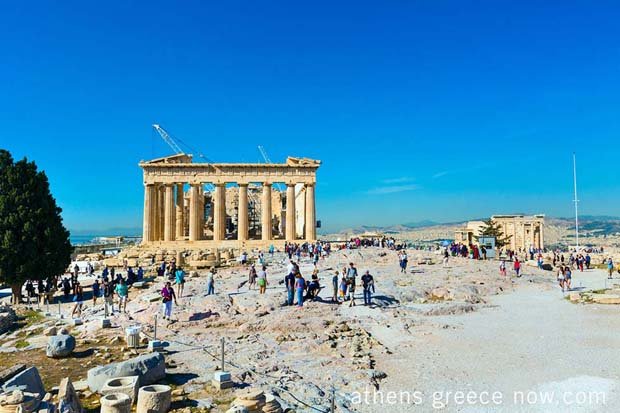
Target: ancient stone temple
(233, 205)
(524, 231)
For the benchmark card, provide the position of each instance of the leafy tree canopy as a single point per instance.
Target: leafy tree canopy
(34, 244)
(493, 229)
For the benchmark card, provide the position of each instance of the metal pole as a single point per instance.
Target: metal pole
(576, 201)
(222, 340)
(155, 329)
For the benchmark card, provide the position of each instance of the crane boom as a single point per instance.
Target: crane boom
(168, 139)
(267, 160)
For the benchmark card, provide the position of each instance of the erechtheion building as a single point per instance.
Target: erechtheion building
(524, 231)
(236, 205)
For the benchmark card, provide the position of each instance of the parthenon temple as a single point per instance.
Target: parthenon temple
(235, 205)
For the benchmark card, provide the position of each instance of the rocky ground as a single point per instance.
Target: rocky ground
(404, 340)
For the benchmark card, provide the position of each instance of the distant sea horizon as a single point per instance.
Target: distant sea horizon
(84, 238)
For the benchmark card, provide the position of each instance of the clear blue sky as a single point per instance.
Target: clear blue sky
(440, 110)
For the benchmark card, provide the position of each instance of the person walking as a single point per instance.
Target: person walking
(367, 284)
(211, 281)
(335, 287)
(167, 294)
(252, 277)
(179, 280)
(108, 297)
(262, 280)
(517, 267)
(123, 295)
(561, 277)
(567, 278)
(79, 300)
(403, 261)
(300, 286)
(343, 287)
(96, 291)
(610, 268)
(289, 282)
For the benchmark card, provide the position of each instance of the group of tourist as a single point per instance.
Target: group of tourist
(382, 242)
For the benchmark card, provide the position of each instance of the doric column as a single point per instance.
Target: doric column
(290, 212)
(242, 218)
(267, 226)
(147, 222)
(194, 214)
(310, 214)
(169, 221)
(180, 229)
(158, 214)
(219, 212)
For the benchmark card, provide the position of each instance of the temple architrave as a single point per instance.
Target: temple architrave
(228, 205)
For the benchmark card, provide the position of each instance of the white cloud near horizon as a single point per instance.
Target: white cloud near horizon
(392, 189)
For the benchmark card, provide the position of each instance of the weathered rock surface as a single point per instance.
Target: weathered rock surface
(60, 346)
(150, 368)
(27, 380)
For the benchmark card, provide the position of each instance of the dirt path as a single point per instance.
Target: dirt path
(534, 340)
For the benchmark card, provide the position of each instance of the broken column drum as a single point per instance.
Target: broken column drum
(155, 398)
(115, 403)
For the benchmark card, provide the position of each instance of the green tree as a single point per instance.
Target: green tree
(492, 229)
(34, 244)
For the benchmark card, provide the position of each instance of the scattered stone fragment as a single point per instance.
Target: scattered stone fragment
(60, 346)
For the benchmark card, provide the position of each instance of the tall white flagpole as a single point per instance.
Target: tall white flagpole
(576, 201)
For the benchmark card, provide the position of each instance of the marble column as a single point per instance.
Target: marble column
(194, 215)
(169, 209)
(180, 209)
(541, 243)
(147, 222)
(290, 213)
(242, 218)
(219, 212)
(310, 214)
(158, 214)
(267, 226)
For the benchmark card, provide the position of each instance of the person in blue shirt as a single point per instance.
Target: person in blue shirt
(179, 280)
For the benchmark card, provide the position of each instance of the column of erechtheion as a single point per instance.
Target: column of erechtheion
(266, 218)
(289, 233)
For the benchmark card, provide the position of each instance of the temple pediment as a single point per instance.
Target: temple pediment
(178, 158)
